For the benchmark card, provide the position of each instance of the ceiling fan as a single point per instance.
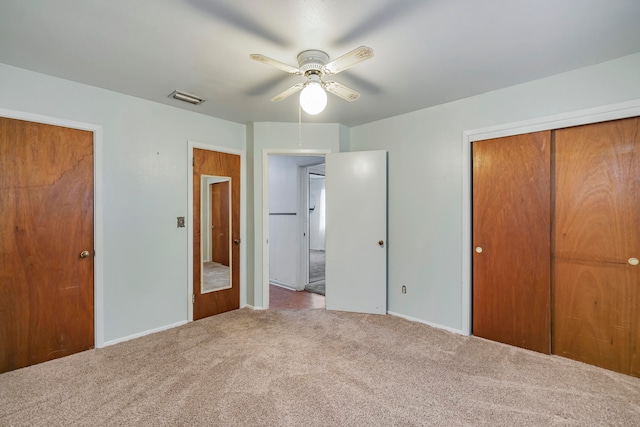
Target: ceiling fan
(314, 64)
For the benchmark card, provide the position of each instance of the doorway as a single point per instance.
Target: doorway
(289, 203)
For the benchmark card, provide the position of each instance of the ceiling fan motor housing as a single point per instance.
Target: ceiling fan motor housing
(312, 61)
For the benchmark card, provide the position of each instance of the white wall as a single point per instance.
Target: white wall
(425, 176)
(145, 188)
(284, 222)
(280, 138)
(145, 180)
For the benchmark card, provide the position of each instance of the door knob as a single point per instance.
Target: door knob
(633, 261)
(236, 241)
(84, 254)
(478, 249)
(381, 242)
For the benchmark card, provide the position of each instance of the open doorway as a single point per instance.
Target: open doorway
(289, 222)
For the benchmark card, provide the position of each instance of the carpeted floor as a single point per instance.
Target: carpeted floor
(214, 276)
(316, 272)
(250, 368)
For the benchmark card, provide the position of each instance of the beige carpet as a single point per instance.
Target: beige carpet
(315, 368)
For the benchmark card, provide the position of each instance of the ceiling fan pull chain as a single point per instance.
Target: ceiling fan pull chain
(300, 125)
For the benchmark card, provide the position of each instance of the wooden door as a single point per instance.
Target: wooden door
(356, 232)
(46, 221)
(224, 165)
(596, 234)
(219, 199)
(511, 237)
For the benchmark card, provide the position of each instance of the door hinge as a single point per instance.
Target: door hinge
(193, 298)
(193, 161)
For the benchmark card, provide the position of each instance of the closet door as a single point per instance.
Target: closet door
(596, 239)
(511, 235)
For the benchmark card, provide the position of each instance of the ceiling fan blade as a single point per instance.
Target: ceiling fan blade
(348, 60)
(342, 91)
(287, 93)
(275, 63)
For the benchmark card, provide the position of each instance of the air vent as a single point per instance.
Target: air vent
(186, 97)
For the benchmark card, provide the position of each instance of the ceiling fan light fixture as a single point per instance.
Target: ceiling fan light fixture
(313, 98)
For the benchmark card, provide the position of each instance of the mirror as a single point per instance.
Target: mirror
(215, 250)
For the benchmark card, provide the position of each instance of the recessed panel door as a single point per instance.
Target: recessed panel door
(511, 240)
(46, 242)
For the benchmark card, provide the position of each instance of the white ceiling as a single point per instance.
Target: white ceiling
(427, 52)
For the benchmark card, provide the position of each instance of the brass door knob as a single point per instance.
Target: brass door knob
(84, 254)
(633, 261)
(236, 241)
(381, 242)
(478, 249)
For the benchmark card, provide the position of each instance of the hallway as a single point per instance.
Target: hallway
(284, 299)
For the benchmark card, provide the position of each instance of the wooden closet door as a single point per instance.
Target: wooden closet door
(596, 233)
(511, 235)
(46, 243)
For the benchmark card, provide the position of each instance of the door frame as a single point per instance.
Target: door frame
(265, 209)
(556, 121)
(243, 219)
(98, 217)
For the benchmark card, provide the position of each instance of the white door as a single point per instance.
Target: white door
(356, 232)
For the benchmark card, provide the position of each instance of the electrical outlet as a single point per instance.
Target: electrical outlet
(404, 289)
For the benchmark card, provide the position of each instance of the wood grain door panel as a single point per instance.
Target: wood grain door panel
(46, 220)
(225, 165)
(511, 223)
(594, 320)
(597, 176)
(596, 222)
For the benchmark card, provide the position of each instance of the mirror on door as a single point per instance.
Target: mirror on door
(215, 217)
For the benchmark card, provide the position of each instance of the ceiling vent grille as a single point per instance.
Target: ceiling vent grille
(186, 97)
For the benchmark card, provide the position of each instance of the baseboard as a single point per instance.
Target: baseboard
(253, 308)
(283, 284)
(142, 334)
(433, 325)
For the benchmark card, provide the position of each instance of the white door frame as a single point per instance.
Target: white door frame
(98, 217)
(243, 220)
(556, 121)
(265, 208)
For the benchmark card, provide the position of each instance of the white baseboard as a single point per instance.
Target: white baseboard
(433, 325)
(283, 284)
(141, 334)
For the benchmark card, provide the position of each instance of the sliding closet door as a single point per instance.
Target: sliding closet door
(596, 237)
(511, 234)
